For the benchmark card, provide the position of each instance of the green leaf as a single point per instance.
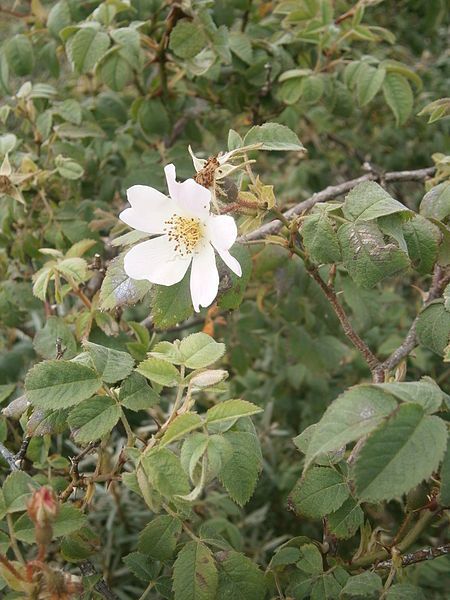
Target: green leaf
(93, 418)
(433, 327)
(400, 454)
(345, 522)
(200, 350)
(436, 203)
(140, 566)
(68, 168)
(399, 97)
(240, 473)
(241, 46)
(171, 304)
(165, 473)
(45, 423)
(422, 239)
(58, 17)
(111, 365)
(445, 478)
(319, 492)
(365, 585)
(86, 48)
(368, 201)
(187, 39)
(154, 118)
(355, 413)
(405, 591)
(136, 394)
(320, 238)
(273, 136)
(195, 573)
(115, 70)
(368, 83)
(180, 427)
(6, 390)
(118, 289)
(159, 538)
(366, 256)
(232, 297)
(325, 588)
(17, 490)
(20, 55)
(239, 578)
(425, 392)
(68, 520)
(56, 384)
(310, 560)
(160, 371)
(45, 339)
(230, 410)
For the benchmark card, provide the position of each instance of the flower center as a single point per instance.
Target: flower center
(186, 232)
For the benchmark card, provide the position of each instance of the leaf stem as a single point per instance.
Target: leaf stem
(13, 540)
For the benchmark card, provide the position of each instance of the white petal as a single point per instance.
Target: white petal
(222, 231)
(204, 278)
(191, 197)
(157, 261)
(230, 261)
(149, 209)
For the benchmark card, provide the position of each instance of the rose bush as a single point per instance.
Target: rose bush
(238, 390)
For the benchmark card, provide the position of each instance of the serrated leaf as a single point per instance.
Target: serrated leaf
(140, 566)
(422, 239)
(136, 394)
(45, 423)
(433, 327)
(111, 365)
(239, 577)
(400, 454)
(160, 371)
(273, 136)
(86, 48)
(180, 427)
(118, 289)
(398, 95)
(425, 392)
(56, 384)
(320, 238)
(195, 573)
(68, 520)
(319, 492)
(368, 83)
(366, 256)
(165, 473)
(171, 304)
(93, 418)
(187, 39)
(17, 490)
(405, 591)
(352, 415)
(345, 522)
(230, 410)
(310, 561)
(199, 350)
(240, 473)
(45, 339)
(368, 201)
(159, 538)
(436, 203)
(365, 585)
(115, 70)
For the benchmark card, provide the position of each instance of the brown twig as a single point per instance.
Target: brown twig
(9, 458)
(417, 556)
(332, 192)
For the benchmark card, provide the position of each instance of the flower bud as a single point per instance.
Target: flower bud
(208, 378)
(43, 507)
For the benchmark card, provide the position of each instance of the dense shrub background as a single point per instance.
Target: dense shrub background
(99, 96)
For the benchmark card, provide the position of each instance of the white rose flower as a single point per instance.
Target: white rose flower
(187, 233)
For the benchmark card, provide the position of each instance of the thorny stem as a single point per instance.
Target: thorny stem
(418, 556)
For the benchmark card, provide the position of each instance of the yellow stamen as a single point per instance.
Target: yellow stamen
(186, 232)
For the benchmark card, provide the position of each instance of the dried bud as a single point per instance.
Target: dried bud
(208, 378)
(43, 507)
